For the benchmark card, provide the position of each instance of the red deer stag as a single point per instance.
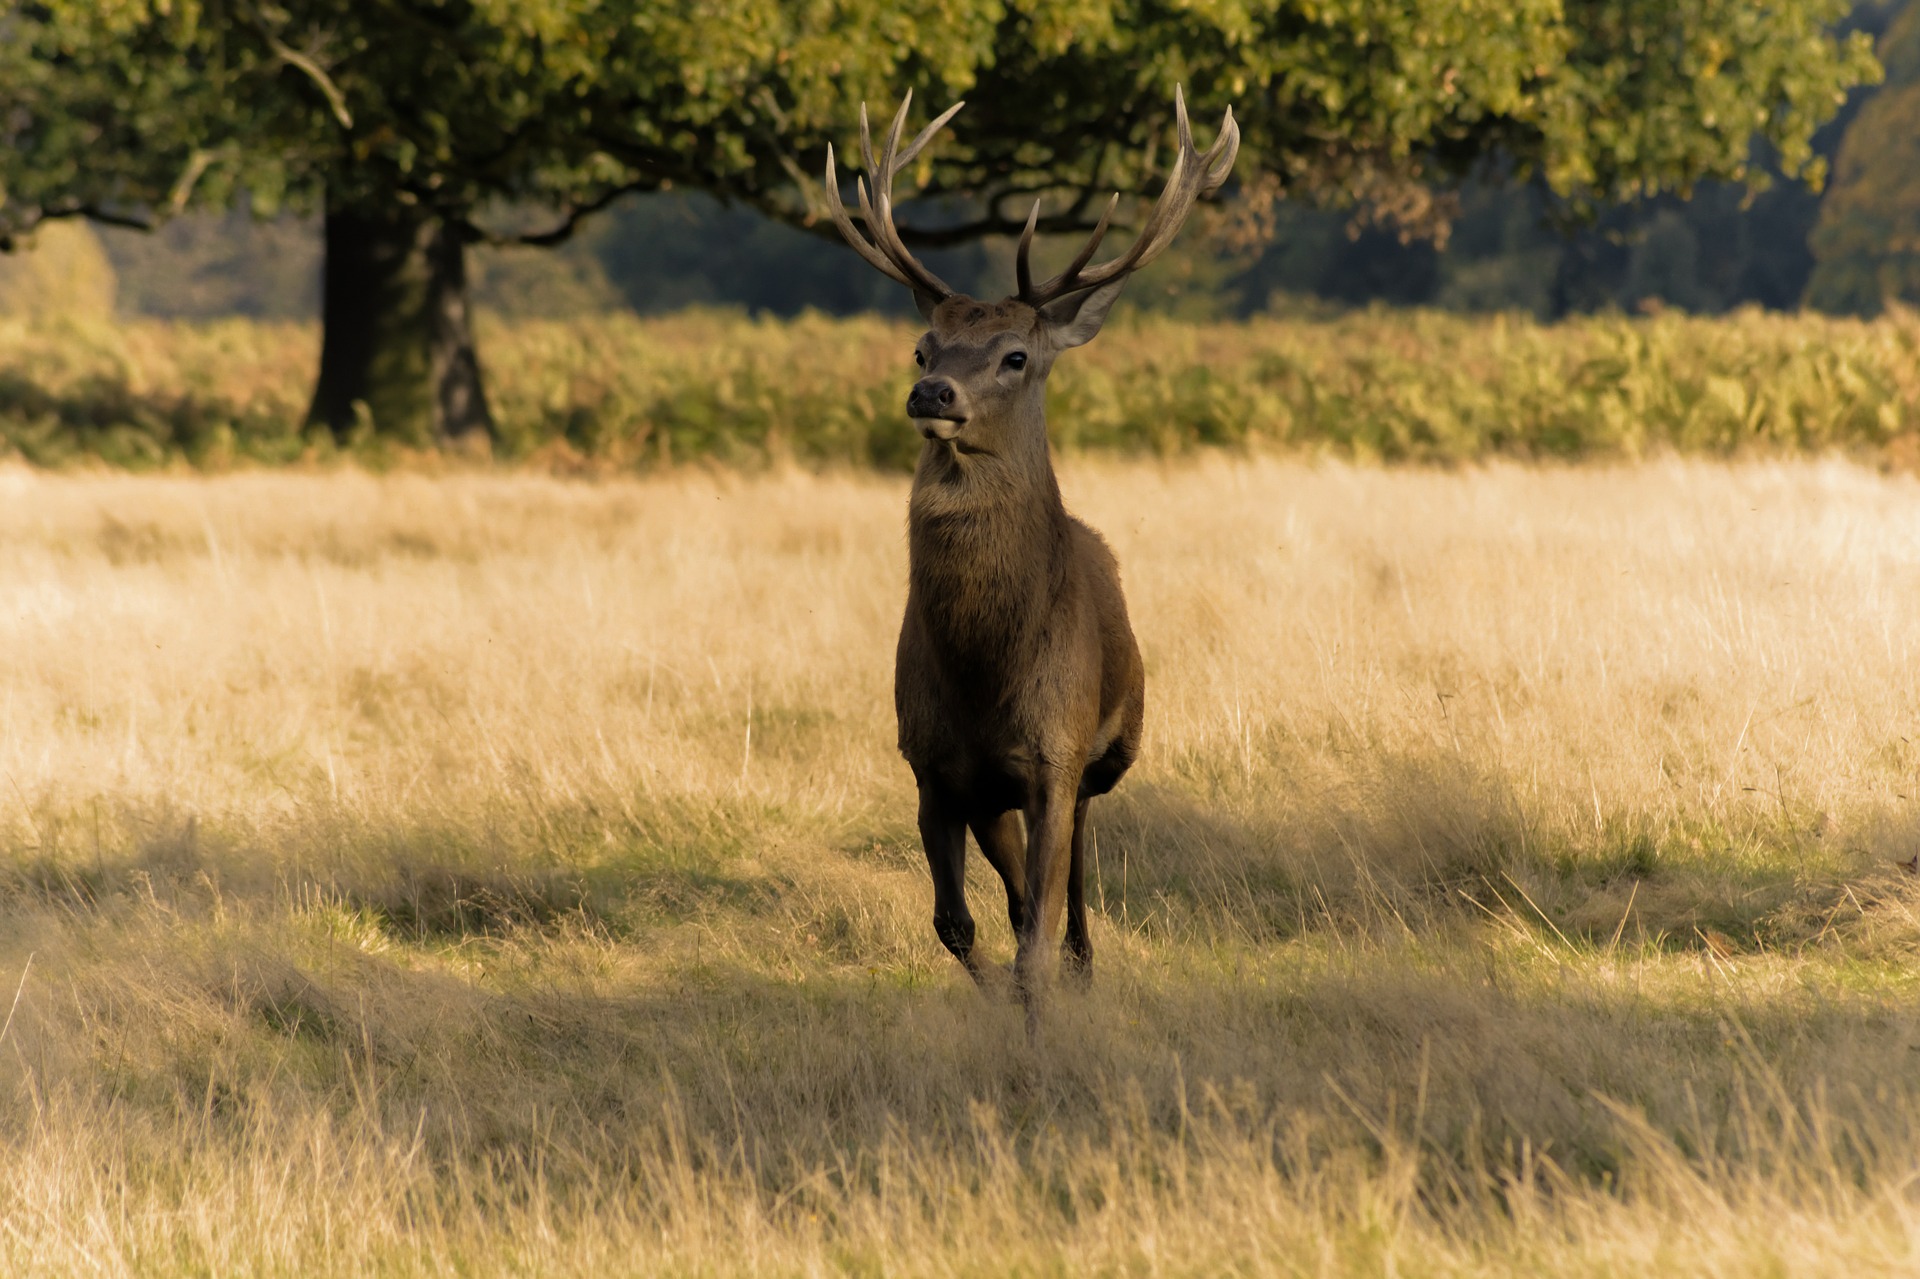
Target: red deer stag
(1017, 683)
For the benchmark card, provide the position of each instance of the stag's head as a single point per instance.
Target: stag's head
(984, 364)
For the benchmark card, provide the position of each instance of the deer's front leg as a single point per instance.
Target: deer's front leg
(1050, 813)
(944, 833)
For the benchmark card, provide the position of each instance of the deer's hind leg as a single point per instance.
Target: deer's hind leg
(1076, 951)
(944, 833)
(1003, 841)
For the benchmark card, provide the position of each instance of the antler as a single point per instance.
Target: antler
(1193, 176)
(885, 251)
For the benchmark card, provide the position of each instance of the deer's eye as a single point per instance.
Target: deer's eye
(1015, 360)
(920, 359)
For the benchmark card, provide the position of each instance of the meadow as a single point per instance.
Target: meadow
(494, 872)
(618, 394)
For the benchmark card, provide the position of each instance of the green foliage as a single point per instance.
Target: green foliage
(141, 106)
(1868, 240)
(623, 392)
(1357, 99)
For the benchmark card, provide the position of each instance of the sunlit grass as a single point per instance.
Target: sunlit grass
(477, 873)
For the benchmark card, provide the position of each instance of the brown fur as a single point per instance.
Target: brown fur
(963, 317)
(1018, 684)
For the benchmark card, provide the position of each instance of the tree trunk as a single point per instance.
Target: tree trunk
(396, 342)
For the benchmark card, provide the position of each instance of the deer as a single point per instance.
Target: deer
(1019, 689)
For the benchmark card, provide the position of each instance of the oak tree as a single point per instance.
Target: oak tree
(1866, 246)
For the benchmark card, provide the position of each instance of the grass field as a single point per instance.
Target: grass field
(485, 872)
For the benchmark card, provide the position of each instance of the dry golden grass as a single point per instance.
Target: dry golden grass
(476, 874)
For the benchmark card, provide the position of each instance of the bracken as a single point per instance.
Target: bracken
(620, 393)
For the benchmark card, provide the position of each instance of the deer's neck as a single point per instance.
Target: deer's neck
(987, 541)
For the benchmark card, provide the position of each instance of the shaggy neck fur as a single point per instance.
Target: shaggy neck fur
(987, 539)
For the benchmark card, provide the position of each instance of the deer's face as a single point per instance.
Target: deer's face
(984, 367)
(979, 365)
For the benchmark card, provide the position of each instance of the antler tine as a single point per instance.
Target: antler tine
(1192, 176)
(1172, 207)
(888, 236)
(1022, 269)
(925, 135)
(1227, 145)
(880, 221)
(882, 246)
(1087, 250)
(887, 154)
(866, 141)
(857, 242)
(880, 211)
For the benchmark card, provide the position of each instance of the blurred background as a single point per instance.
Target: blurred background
(597, 229)
(1847, 250)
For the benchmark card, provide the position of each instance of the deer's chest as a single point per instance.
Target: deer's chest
(951, 744)
(983, 719)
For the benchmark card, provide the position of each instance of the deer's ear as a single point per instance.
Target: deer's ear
(1077, 317)
(926, 302)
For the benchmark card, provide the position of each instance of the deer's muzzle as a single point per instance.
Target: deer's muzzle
(934, 406)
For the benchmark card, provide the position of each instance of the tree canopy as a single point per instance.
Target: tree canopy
(423, 125)
(1867, 244)
(132, 109)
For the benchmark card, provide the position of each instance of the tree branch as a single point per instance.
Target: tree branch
(10, 239)
(570, 220)
(1072, 220)
(197, 166)
(289, 56)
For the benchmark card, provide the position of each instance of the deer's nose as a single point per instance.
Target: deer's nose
(930, 397)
